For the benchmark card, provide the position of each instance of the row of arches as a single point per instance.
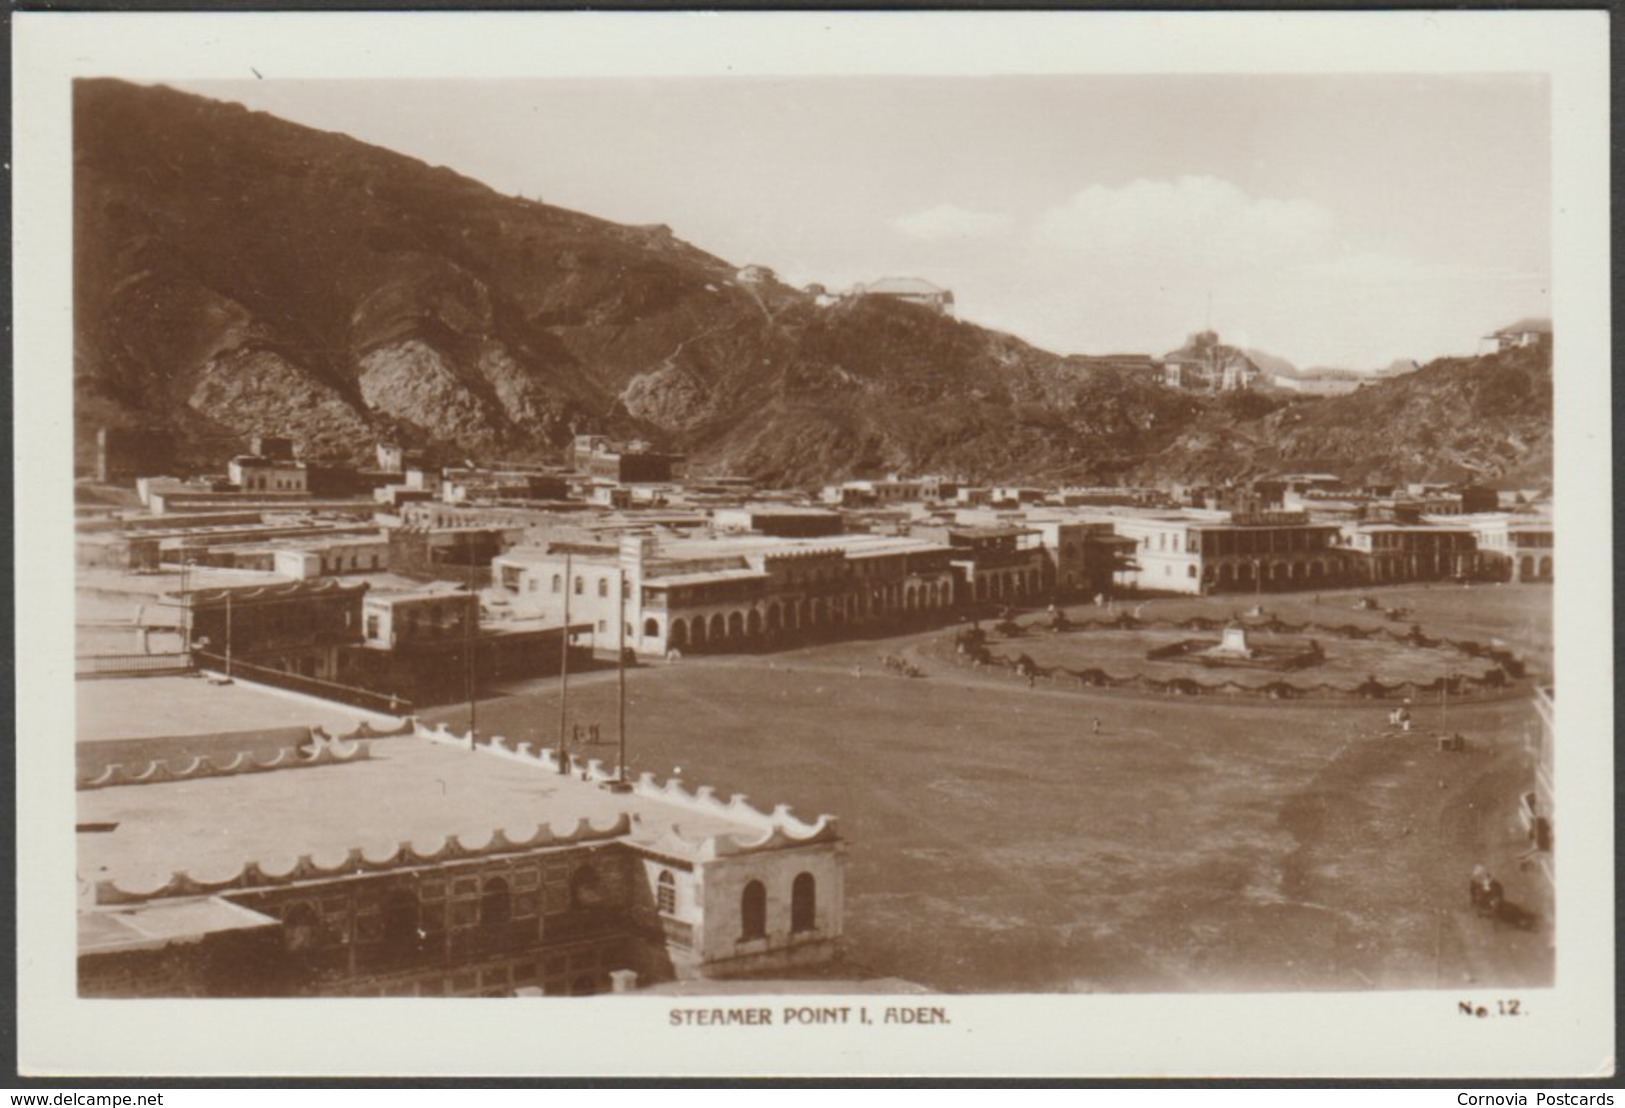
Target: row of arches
(1007, 584)
(744, 624)
(1243, 573)
(803, 907)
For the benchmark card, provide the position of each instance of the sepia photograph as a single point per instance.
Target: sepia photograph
(823, 551)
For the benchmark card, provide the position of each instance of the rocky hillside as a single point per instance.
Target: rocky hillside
(238, 273)
(1483, 419)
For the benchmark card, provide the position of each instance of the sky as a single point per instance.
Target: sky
(1342, 221)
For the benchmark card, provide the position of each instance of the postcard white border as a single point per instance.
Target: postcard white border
(1569, 1031)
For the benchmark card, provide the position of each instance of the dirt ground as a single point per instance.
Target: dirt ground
(998, 843)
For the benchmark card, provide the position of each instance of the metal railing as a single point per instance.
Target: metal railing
(123, 665)
(312, 686)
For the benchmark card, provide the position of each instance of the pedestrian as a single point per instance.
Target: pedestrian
(1484, 892)
(1097, 725)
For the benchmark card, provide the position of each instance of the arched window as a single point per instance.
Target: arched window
(300, 928)
(558, 582)
(581, 585)
(585, 890)
(666, 892)
(400, 925)
(603, 586)
(753, 911)
(496, 903)
(651, 627)
(803, 903)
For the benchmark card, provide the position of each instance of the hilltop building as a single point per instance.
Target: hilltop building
(1205, 364)
(1531, 331)
(908, 290)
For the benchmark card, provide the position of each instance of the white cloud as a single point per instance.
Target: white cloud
(1200, 222)
(949, 221)
(1376, 267)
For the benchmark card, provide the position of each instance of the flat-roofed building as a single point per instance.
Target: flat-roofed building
(126, 452)
(623, 463)
(408, 866)
(1003, 563)
(891, 489)
(1199, 552)
(1084, 556)
(781, 521)
(1391, 553)
(1517, 548)
(299, 627)
(251, 473)
(333, 557)
(420, 616)
(729, 592)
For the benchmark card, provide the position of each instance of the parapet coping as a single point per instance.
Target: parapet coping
(326, 750)
(775, 829)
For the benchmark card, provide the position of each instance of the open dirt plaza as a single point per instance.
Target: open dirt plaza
(999, 843)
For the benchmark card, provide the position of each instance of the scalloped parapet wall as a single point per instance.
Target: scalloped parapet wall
(326, 750)
(356, 862)
(775, 829)
(353, 745)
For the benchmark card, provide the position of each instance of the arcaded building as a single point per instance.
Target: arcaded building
(729, 593)
(1185, 552)
(411, 865)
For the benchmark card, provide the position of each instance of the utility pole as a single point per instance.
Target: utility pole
(469, 622)
(228, 634)
(564, 669)
(621, 784)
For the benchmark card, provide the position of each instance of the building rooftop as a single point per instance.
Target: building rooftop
(705, 577)
(113, 708)
(285, 590)
(153, 927)
(404, 796)
(1537, 324)
(739, 546)
(902, 286)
